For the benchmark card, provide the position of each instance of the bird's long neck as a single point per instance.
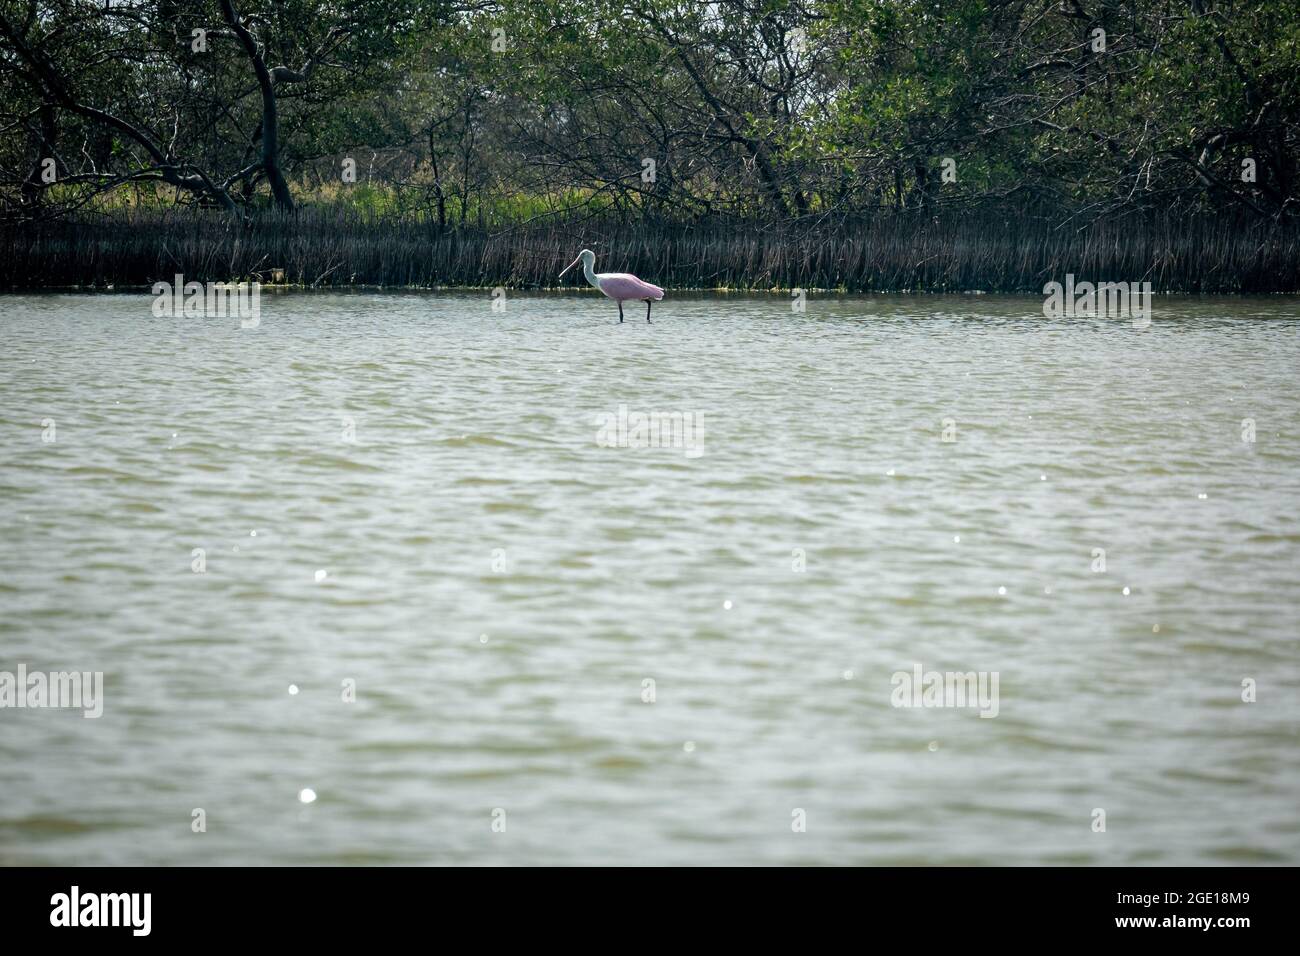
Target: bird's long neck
(590, 272)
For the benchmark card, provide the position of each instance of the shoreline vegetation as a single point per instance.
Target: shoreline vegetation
(851, 145)
(955, 250)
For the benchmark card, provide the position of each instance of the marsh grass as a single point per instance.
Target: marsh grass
(954, 251)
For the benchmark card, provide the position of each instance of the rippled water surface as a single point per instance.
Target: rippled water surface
(501, 589)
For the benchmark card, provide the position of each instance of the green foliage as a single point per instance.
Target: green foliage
(481, 113)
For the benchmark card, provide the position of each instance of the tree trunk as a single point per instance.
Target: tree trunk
(43, 140)
(437, 185)
(270, 113)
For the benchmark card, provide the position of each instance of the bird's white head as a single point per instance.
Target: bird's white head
(586, 257)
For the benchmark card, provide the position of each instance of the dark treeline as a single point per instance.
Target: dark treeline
(837, 143)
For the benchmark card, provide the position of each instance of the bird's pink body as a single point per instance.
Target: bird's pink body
(623, 287)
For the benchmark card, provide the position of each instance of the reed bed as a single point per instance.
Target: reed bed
(954, 251)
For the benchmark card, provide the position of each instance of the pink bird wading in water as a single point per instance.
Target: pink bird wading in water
(619, 286)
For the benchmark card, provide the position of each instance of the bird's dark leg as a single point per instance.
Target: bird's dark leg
(648, 303)
(620, 310)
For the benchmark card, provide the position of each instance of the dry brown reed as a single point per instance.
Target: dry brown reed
(953, 251)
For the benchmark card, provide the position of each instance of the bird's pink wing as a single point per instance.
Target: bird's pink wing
(624, 285)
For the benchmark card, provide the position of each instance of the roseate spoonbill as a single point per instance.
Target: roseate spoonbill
(619, 286)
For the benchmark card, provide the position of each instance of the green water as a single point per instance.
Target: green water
(499, 586)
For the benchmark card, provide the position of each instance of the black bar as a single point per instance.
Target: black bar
(331, 906)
